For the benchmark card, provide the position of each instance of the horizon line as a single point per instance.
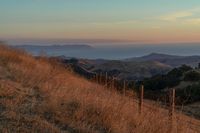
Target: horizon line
(95, 41)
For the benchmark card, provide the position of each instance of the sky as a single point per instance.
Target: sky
(111, 20)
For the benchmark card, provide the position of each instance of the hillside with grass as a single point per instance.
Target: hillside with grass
(41, 95)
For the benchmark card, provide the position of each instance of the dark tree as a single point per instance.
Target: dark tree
(192, 76)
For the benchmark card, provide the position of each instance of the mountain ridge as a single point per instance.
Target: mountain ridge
(172, 60)
(55, 46)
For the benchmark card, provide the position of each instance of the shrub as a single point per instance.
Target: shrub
(192, 76)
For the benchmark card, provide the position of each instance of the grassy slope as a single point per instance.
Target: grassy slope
(37, 95)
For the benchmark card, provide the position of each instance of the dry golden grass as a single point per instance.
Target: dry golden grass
(38, 95)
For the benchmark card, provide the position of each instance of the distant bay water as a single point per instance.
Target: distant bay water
(110, 50)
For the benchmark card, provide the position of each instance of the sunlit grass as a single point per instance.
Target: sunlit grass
(40, 95)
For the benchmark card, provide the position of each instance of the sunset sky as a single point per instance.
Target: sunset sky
(120, 20)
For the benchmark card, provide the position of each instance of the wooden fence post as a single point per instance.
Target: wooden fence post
(97, 78)
(133, 89)
(113, 83)
(124, 88)
(106, 80)
(94, 78)
(171, 103)
(141, 99)
(172, 95)
(100, 78)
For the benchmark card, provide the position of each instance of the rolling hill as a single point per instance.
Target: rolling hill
(40, 95)
(129, 70)
(136, 68)
(171, 60)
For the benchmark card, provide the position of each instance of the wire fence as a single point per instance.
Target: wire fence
(110, 82)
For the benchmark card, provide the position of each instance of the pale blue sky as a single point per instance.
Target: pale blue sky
(147, 20)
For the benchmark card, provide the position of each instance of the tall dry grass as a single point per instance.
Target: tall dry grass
(38, 95)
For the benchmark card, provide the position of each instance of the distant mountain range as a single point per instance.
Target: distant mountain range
(69, 50)
(171, 60)
(55, 47)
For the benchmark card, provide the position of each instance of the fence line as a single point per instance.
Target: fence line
(171, 108)
(141, 99)
(140, 102)
(124, 88)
